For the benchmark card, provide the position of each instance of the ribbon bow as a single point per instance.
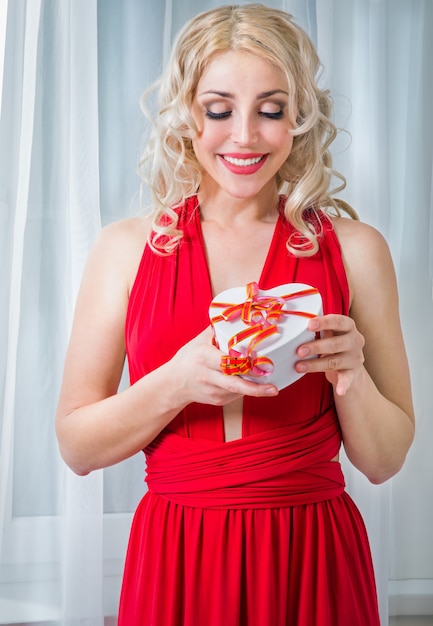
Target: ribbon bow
(260, 314)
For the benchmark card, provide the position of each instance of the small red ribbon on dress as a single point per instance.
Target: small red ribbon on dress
(260, 314)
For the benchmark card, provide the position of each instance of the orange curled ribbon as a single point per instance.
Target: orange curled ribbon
(260, 314)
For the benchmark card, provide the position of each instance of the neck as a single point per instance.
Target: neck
(224, 208)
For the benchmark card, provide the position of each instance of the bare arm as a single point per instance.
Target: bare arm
(96, 426)
(364, 358)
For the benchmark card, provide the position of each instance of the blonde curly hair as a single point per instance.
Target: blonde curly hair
(169, 165)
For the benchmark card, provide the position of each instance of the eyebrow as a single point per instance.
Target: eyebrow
(260, 96)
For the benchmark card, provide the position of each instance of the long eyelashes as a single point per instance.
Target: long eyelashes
(222, 116)
(218, 116)
(272, 116)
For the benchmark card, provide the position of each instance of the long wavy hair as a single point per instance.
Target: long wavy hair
(169, 166)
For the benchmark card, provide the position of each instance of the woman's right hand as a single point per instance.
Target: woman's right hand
(197, 367)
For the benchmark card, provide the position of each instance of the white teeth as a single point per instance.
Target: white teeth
(242, 162)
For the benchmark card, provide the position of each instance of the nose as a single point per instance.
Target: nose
(244, 130)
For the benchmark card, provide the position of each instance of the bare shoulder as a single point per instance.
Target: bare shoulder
(366, 256)
(358, 237)
(131, 228)
(119, 246)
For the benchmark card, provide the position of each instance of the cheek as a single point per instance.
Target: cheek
(202, 149)
(206, 140)
(197, 145)
(285, 141)
(283, 137)
(277, 135)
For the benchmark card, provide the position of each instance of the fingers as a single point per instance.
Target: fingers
(223, 388)
(338, 335)
(233, 383)
(339, 348)
(237, 384)
(198, 365)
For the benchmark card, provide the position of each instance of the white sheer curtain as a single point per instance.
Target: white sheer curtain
(50, 521)
(70, 131)
(378, 56)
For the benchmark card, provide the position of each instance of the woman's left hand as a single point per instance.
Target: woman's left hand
(339, 348)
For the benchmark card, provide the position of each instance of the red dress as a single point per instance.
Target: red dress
(257, 531)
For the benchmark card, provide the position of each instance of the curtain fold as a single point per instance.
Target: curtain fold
(17, 208)
(3, 19)
(51, 519)
(82, 549)
(70, 131)
(377, 56)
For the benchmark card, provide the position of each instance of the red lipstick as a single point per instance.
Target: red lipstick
(243, 164)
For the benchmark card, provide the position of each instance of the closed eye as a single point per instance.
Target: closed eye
(218, 116)
(272, 116)
(277, 115)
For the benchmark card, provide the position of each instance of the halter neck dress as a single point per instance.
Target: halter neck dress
(253, 532)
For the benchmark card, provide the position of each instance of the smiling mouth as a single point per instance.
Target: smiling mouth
(243, 162)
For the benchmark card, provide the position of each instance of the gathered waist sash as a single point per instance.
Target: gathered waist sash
(282, 467)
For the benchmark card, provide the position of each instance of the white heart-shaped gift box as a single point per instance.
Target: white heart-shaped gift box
(259, 330)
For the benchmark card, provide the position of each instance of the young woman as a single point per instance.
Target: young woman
(246, 520)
